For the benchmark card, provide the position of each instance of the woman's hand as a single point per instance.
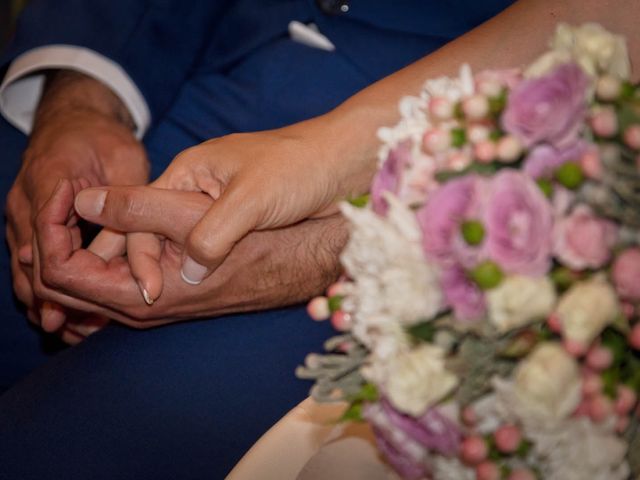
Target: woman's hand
(258, 181)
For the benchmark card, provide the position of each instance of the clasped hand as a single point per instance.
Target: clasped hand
(255, 208)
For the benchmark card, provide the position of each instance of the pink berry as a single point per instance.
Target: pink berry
(622, 423)
(485, 151)
(474, 450)
(475, 107)
(436, 140)
(318, 308)
(582, 410)
(600, 408)
(591, 165)
(608, 88)
(441, 108)
(509, 149)
(521, 474)
(628, 310)
(490, 88)
(341, 321)
(591, 384)
(574, 347)
(632, 136)
(634, 337)
(599, 358)
(469, 416)
(554, 323)
(604, 122)
(335, 289)
(477, 132)
(508, 438)
(487, 471)
(458, 160)
(626, 400)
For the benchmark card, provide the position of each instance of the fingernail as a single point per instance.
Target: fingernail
(147, 298)
(52, 317)
(192, 272)
(90, 202)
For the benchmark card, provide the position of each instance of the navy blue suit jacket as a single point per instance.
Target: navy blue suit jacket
(160, 43)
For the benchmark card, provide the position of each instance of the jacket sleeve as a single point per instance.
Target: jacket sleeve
(155, 42)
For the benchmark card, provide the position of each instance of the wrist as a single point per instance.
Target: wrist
(68, 91)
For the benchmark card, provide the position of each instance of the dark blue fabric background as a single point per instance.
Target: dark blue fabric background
(187, 400)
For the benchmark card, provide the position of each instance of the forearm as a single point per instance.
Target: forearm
(68, 91)
(513, 38)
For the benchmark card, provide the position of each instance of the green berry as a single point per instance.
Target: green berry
(472, 232)
(335, 303)
(487, 275)
(546, 186)
(570, 175)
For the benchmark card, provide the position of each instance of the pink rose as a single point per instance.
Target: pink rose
(463, 295)
(441, 217)
(626, 274)
(544, 160)
(389, 176)
(548, 109)
(583, 240)
(518, 220)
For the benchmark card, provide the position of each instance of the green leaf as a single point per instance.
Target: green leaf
(458, 137)
(424, 331)
(570, 175)
(353, 413)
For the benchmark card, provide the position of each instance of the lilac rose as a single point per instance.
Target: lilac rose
(433, 431)
(519, 221)
(463, 295)
(389, 177)
(544, 160)
(441, 217)
(549, 109)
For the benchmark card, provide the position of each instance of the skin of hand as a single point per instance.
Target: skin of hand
(266, 269)
(81, 130)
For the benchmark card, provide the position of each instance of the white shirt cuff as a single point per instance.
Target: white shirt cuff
(21, 88)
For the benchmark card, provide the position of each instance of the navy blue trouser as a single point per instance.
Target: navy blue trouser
(183, 401)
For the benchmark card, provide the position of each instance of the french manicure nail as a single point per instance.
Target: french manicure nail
(192, 272)
(90, 202)
(147, 298)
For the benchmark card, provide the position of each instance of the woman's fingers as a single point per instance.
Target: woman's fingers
(227, 221)
(144, 251)
(108, 244)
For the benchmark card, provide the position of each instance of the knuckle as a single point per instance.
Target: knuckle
(202, 246)
(123, 207)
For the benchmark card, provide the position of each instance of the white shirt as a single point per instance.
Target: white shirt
(21, 87)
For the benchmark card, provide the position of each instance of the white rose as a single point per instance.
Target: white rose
(417, 380)
(547, 382)
(520, 300)
(586, 309)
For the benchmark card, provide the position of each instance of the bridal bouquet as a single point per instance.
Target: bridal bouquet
(489, 315)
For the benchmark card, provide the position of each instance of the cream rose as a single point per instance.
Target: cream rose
(586, 309)
(547, 382)
(595, 49)
(519, 300)
(418, 379)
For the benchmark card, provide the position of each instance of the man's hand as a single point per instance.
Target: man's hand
(81, 130)
(266, 269)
